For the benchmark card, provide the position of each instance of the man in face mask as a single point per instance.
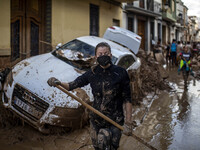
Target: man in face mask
(111, 89)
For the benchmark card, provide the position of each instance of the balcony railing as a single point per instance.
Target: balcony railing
(149, 5)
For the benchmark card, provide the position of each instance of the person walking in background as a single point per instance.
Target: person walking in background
(157, 48)
(189, 47)
(185, 64)
(173, 52)
(179, 50)
(198, 46)
(167, 50)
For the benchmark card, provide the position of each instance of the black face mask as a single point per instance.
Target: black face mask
(104, 60)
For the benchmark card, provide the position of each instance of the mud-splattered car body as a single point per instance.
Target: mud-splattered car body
(27, 94)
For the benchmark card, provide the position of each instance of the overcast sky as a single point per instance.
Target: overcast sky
(193, 7)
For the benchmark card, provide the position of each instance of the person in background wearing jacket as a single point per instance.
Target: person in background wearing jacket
(111, 89)
(173, 52)
(168, 57)
(185, 63)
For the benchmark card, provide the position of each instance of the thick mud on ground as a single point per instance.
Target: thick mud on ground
(167, 121)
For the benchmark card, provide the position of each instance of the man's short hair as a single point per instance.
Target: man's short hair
(102, 44)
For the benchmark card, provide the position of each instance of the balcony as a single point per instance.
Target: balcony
(152, 8)
(169, 15)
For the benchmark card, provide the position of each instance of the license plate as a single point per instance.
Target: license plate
(29, 109)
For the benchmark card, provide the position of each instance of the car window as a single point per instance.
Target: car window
(114, 59)
(126, 61)
(79, 46)
(78, 54)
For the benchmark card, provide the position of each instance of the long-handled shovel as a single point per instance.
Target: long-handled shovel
(102, 115)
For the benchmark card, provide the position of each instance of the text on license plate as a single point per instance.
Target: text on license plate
(27, 108)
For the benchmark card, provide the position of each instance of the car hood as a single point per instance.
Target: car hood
(34, 72)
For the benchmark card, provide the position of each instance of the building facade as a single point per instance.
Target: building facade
(144, 18)
(168, 21)
(32, 27)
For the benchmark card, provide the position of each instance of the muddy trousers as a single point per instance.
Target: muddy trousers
(105, 138)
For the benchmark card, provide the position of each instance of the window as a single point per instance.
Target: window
(141, 3)
(15, 40)
(116, 22)
(94, 20)
(126, 61)
(150, 5)
(130, 24)
(159, 31)
(152, 30)
(79, 46)
(34, 39)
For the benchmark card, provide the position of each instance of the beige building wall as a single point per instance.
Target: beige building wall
(71, 19)
(5, 28)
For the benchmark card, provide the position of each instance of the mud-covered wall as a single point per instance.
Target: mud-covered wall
(71, 19)
(4, 28)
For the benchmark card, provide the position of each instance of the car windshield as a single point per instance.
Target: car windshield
(79, 46)
(78, 54)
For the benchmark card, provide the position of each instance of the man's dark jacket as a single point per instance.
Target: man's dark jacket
(110, 88)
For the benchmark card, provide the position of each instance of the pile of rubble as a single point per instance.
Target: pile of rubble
(149, 79)
(196, 63)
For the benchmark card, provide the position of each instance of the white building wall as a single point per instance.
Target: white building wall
(124, 20)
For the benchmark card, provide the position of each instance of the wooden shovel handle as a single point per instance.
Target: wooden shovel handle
(90, 107)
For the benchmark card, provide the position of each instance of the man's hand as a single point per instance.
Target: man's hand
(128, 127)
(53, 82)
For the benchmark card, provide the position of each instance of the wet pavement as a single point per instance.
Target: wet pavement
(172, 121)
(169, 121)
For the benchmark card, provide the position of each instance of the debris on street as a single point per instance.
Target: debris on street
(151, 77)
(196, 62)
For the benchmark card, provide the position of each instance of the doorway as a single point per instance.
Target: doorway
(141, 32)
(164, 40)
(94, 20)
(28, 30)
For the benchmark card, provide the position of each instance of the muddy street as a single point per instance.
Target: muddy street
(172, 120)
(167, 121)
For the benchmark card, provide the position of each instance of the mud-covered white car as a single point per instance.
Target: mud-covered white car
(27, 94)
